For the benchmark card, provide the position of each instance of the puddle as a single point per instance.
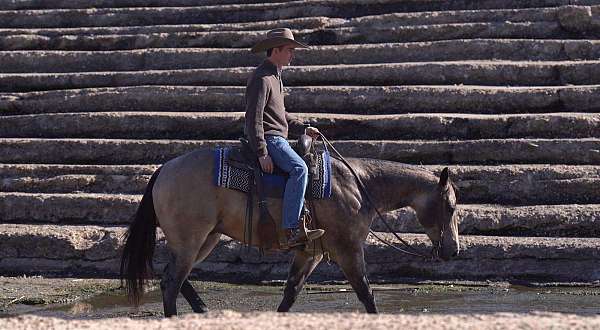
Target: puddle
(411, 299)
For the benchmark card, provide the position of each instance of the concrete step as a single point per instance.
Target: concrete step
(189, 58)
(47, 170)
(244, 12)
(364, 100)
(506, 184)
(571, 220)
(49, 249)
(207, 125)
(300, 23)
(481, 152)
(89, 4)
(418, 5)
(494, 73)
(329, 36)
(566, 220)
(392, 20)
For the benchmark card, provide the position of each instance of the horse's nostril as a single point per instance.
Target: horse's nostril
(455, 254)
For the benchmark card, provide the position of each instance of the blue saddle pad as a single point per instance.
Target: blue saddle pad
(228, 176)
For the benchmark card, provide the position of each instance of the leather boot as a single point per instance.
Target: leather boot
(295, 236)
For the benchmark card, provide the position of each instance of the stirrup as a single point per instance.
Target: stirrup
(309, 234)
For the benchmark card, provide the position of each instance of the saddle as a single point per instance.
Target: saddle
(269, 233)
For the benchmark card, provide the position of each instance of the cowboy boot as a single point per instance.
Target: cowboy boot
(302, 235)
(296, 237)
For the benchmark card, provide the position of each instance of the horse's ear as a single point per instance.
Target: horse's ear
(444, 176)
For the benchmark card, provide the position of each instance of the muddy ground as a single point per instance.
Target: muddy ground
(37, 302)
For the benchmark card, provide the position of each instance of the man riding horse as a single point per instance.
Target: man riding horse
(183, 199)
(267, 125)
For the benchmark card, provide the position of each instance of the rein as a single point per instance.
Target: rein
(411, 250)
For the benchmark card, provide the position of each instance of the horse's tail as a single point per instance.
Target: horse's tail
(136, 261)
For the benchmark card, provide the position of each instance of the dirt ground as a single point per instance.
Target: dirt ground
(271, 320)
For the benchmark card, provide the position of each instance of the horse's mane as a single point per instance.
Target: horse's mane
(389, 164)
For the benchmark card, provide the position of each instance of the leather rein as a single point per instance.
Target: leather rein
(410, 250)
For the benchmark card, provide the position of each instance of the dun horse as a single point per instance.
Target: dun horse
(193, 213)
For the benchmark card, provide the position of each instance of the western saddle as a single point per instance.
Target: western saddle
(269, 232)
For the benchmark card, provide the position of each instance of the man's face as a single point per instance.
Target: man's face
(283, 55)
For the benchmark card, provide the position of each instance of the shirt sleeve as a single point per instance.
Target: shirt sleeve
(296, 127)
(257, 94)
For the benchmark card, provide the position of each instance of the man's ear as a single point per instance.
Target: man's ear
(444, 177)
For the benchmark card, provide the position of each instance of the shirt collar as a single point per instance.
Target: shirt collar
(270, 67)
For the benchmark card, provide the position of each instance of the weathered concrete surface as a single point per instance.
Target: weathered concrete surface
(419, 5)
(391, 20)
(270, 320)
(242, 13)
(300, 23)
(74, 183)
(536, 221)
(321, 99)
(500, 73)
(187, 15)
(105, 209)
(168, 125)
(562, 15)
(67, 208)
(48, 170)
(377, 21)
(336, 36)
(84, 4)
(62, 249)
(187, 58)
(482, 152)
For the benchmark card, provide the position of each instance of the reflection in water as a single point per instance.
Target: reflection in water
(411, 299)
(81, 308)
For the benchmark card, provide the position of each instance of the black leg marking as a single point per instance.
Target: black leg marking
(190, 294)
(300, 270)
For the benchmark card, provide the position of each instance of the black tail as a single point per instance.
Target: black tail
(136, 262)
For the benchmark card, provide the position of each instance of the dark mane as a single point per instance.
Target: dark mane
(388, 164)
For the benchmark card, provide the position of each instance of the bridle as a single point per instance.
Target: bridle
(410, 250)
(438, 245)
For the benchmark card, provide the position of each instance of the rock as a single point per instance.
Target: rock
(575, 19)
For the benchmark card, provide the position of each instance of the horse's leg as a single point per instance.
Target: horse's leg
(352, 263)
(302, 265)
(187, 290)
(174, 275)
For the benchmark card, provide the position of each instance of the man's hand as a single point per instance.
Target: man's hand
(266, 164)
(313, 132)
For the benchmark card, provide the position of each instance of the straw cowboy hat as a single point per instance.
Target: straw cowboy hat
(276, 38)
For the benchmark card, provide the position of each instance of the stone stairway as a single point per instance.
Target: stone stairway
(95, 95)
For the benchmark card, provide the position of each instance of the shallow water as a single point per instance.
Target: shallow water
(444, 299)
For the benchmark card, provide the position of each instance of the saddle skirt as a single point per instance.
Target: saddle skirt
(234, 174)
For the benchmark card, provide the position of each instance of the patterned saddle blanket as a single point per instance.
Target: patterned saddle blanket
(233, 175)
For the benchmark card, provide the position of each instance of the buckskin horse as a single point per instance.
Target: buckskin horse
(193, 213)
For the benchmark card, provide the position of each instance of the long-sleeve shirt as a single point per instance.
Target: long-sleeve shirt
(265, 109)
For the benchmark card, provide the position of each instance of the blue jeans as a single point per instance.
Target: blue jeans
(287, 159)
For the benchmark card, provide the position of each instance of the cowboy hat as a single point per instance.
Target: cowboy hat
(276, 38)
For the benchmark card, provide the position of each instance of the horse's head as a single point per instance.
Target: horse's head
(437, 215)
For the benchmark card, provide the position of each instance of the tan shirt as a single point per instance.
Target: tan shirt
(265, 110)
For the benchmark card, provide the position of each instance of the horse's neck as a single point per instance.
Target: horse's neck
(394, 185)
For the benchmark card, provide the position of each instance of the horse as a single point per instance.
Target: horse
(182, 199)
